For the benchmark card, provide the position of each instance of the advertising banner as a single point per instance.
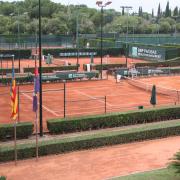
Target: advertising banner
(147, 53)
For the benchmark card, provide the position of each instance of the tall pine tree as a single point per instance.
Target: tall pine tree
(152, 15)
(159, 12)
(175, 12)
(167, 11)
(122, 11)
(140, 13)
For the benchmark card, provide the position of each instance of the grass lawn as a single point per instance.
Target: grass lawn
(163, 174)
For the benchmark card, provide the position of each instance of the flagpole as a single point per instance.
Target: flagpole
(15, 144)
(18, 104)
(37, 136)
(35, 105)
(40, 76)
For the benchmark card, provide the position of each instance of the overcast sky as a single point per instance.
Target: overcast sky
(147, 5)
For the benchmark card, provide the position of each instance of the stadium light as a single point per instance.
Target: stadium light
(127, 9)
(108, 3)
(18, 17)
(25, 18)
(101, 5)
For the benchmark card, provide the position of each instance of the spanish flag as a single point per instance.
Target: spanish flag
(14, 98)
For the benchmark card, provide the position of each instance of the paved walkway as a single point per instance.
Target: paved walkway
(98, 164)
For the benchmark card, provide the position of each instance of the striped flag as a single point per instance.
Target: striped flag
(14, 98)
(36, 90)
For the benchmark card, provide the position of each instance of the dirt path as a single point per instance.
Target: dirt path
(98, 164)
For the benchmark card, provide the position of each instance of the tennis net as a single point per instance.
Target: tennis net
(173, 93)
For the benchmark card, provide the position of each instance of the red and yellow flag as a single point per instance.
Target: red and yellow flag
(14, 100)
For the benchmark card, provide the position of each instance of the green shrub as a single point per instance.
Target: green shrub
(56, 146)
(19, 80)
(51, 69)
(175, 164)
(8, 70)
(112, 120)
(24, 130)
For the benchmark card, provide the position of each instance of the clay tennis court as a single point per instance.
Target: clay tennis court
(172, 82)
(98, 164)
(63, 61)
(83, 98)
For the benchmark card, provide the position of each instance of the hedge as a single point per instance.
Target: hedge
(24, 130)
(8, 70)
(57, 126)
(174, 70)
(19, 80)
(109, 51)
(69, 144)
(104, 66)
(51, 69)
(22, 53)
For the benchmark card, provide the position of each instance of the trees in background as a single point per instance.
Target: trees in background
(60, 19)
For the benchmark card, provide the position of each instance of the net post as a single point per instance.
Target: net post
(105, 104)
(178, 96)
(107, 76)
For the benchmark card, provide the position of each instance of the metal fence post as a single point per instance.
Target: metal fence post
(18, 105)
(64, 99)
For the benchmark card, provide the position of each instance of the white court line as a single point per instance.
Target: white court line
(91, 97)
(123, 94)
(44, 107)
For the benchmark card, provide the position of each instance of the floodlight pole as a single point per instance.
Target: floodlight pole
(158, 32)
(175, 28)
(101, 5)
(101, 39)
(77, 39)
(40, 76)
(127, 11)
(19, 43)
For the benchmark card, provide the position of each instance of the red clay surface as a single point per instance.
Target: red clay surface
(25, 63)
(62, 61)
(172, 82)
(98, 164)
(82, 98)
